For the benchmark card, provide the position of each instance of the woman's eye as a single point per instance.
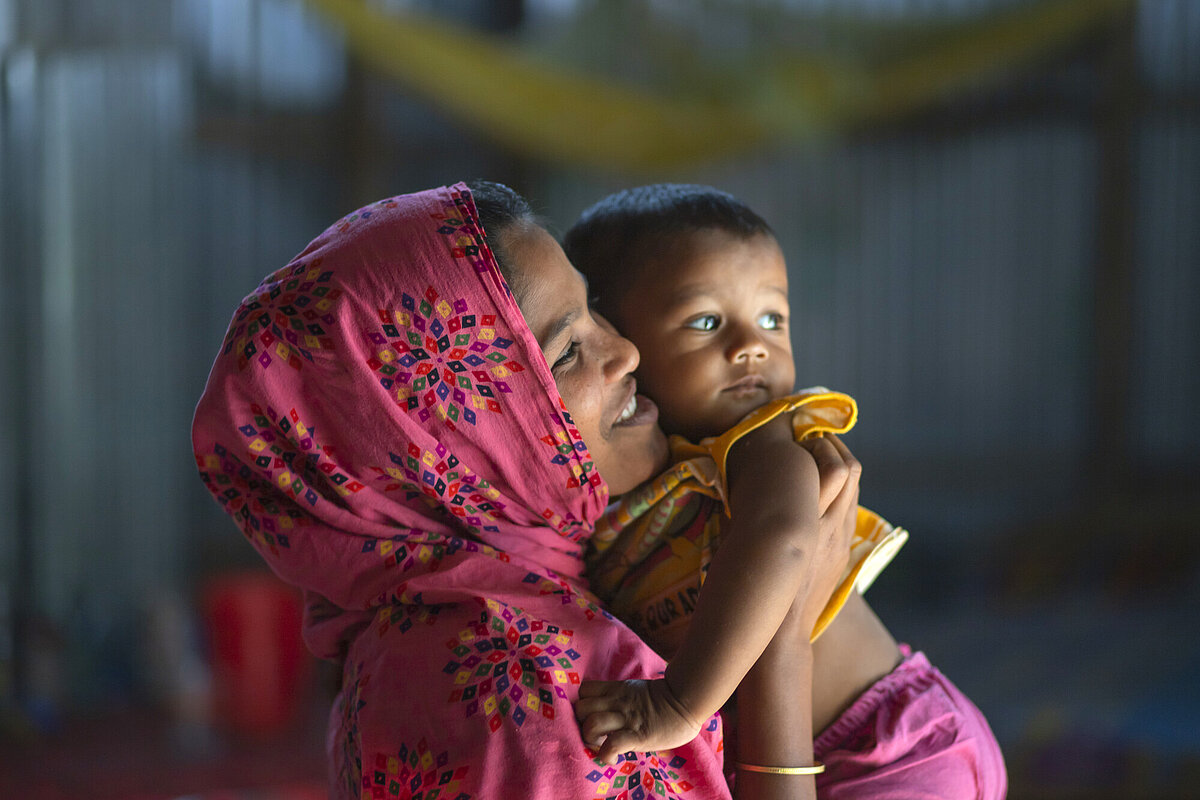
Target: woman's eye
(567, 356)
(707, 322)
(771, 321)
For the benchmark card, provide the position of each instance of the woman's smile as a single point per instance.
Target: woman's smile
(591, 363)
(640, 410)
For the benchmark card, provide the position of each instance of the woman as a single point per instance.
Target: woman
(423, 446)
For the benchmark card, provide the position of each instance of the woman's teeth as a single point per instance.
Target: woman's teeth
(629, 409)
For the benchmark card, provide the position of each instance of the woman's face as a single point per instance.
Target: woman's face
(592, 364)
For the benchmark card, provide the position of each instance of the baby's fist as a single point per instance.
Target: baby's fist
(640, 715)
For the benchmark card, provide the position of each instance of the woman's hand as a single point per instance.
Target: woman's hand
(640, 715)
(837, 505)
(802, 498)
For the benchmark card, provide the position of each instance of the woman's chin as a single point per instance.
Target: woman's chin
(664, 453)
(635, 468)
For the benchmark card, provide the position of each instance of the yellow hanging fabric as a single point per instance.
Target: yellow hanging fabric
(565, 117)
(549, 114)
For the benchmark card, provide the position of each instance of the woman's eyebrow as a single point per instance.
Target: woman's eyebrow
(560, 325)
(567, 319)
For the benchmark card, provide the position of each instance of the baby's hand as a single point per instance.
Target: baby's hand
(618, 716)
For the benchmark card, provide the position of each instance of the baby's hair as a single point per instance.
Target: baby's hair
(613, 240)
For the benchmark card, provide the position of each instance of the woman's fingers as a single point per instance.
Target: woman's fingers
(843, 509)
(848, 494)
(847, 456)
(832, 470)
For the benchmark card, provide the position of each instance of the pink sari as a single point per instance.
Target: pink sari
(381, 424)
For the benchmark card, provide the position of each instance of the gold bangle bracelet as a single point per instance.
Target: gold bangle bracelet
(815, 769)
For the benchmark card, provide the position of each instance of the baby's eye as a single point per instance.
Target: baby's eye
(771, 321)
(704, 322)
(567, 356)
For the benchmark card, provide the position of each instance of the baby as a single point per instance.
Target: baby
(699, 283)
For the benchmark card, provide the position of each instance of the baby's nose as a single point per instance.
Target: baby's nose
(747, 347)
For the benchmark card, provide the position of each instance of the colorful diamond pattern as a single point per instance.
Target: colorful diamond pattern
(286, 319)
(509, 666)
(548, 585)
(439, 358)
(281, 452)
(414, 773)
(641, 776)
(438, 475)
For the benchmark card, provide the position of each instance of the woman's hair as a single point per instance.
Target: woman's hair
(613, 240)
(500, 208)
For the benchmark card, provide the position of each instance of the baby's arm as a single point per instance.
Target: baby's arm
(793, 516)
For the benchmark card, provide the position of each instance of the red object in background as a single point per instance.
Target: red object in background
(260, 667)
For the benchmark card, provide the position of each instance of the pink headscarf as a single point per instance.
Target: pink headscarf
(382, 425)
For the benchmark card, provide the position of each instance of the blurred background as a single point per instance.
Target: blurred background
(990, 213)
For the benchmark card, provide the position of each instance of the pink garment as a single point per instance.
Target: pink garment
(912, 735)
(381, 424)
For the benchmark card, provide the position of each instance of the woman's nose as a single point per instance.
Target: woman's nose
(621, 357)
(746, 345)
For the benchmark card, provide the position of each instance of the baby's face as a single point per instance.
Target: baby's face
(710, 318)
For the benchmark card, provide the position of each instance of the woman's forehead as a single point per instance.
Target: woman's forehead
(553, 293)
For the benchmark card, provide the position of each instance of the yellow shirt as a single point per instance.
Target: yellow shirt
(651, 550)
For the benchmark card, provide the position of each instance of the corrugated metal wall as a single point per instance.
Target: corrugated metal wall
(103, 249)
(128, 242)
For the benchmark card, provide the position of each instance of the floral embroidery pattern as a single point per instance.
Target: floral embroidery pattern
(436, 357)
(439, 475)
(583, 469)
(414, 773)
(572, 455)
(281, 452)
(547, 585)
(641, 776)
(408, 549)
(402, 611)
(285, 319)
(414, 547)
(363, 214)
(511, 667)
(563, 448)
(248, 499)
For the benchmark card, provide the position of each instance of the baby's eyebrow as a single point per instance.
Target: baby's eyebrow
(689, 291)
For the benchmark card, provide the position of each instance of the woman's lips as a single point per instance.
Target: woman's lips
(645, 413)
